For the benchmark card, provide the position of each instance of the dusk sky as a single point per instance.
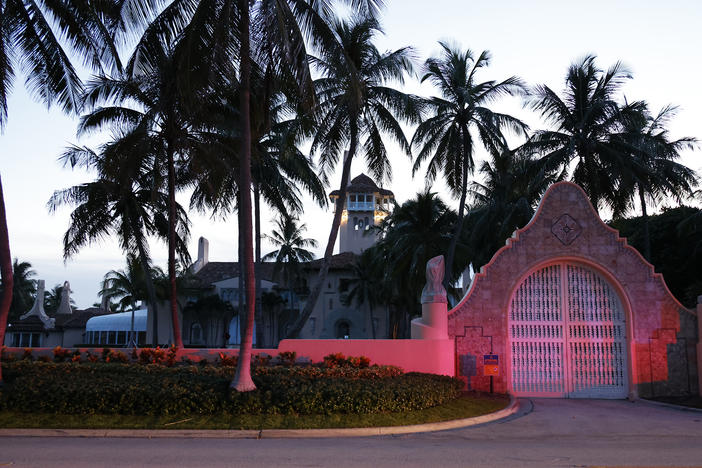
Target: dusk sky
(659, 42)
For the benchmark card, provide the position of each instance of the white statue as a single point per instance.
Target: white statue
(38, 308)
(434, 291)
(65, 305)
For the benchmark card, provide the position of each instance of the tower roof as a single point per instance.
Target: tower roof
(363, 184)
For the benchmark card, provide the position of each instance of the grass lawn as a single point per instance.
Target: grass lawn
(468, 405)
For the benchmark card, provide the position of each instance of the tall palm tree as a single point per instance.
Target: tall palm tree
(30, 35)
(363, 286)
(149, 96)
(356, 108)
(585, 117)
(291, 252)
(655, 171)
(511, 186)
(458, 118)
(122, 202)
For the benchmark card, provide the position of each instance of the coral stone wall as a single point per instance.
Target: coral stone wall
(662, 334)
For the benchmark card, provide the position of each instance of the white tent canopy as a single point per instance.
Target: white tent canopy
(118, 322)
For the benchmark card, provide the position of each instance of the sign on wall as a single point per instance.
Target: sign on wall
(491, 365)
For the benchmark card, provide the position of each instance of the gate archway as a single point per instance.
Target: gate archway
(567, 335)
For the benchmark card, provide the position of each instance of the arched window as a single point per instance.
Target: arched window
(355, 223)
(195, 333)
(343, 330)
(367, 225)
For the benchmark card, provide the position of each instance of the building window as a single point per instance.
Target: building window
(313, 325)
(343, 330)
(343, 284)
(26, 340)
(121, 337)
(366, 223)
(195, 333)
(230, 295)
(331, 303)
(355, 223)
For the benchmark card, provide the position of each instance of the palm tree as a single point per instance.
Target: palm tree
(411, 235)
(149, 96)
(52, 299)
(25, 288)
(29, 40)
(447, 138)
(356, 107)
(513, 183)
(363, 286)
(128, 287)
(584, 119)
(121, 202)
(654, 171)
(292, 251)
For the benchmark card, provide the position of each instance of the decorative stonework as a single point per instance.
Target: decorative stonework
(566, 229)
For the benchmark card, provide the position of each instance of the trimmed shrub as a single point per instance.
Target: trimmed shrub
(157, 390)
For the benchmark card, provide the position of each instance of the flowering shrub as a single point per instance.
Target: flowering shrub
(61, 354)
(158, 390)
(339, 360)
(262, 360)
(287, 358)
(228, 361)
(5, 356)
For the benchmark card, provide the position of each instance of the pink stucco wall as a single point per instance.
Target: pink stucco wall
(431, 356)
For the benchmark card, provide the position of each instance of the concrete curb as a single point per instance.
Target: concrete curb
(511, 409)
(669, 405)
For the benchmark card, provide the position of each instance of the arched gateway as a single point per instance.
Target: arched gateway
(568, 309)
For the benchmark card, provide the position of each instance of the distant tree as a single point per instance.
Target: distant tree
(410, 236)
(460, 118)
(676, 248)
(24, 289)
(511, 186)
(52, 299)
(363, 288)
(292, 252)
(655, 172)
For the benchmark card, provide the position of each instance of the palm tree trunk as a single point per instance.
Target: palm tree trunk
(340, 202)
(448, 268)
(6, 271)
(646, 231)
(242, 379)
(257, 222)
(371, 319)
(150, 289)
(177, 336)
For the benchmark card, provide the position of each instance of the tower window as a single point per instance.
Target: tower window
(343, 330)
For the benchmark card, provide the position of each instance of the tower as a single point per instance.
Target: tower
(366, 206)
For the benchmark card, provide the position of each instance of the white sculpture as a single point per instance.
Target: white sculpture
(65, 305)
(38, 308)
(434, 291)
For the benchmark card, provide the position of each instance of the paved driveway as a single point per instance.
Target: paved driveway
(553, 433)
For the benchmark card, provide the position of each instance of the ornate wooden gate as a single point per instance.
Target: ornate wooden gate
(567, 335)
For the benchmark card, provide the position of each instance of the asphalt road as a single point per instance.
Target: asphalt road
(555, 433)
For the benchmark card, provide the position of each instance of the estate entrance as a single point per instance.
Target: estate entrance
(567, 335)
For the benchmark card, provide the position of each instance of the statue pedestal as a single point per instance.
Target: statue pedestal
(433, 325)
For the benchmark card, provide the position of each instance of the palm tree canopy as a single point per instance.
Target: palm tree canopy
(288, 236)
(654, 167)
(31, 37)
(447, 138)
(24, 289)
(511, 186)
(355, 101)
(584, 118)
(127, 287)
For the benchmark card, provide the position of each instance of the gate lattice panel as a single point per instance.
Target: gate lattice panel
(567, 335)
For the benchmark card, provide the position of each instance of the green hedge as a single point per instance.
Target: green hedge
(98, 388)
